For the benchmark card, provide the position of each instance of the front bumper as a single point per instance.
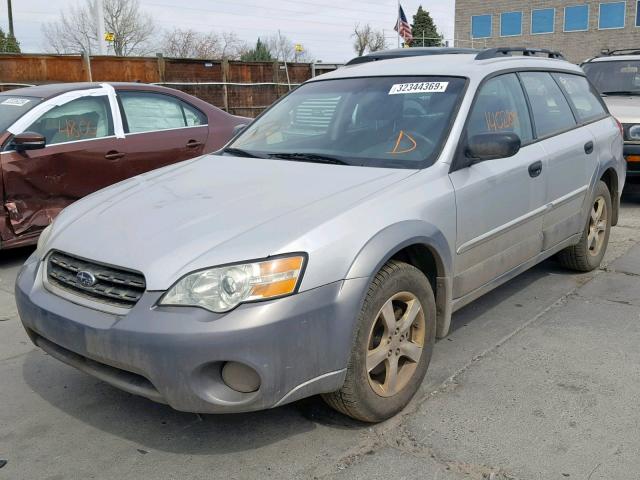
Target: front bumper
(299, 345)
(633, 168)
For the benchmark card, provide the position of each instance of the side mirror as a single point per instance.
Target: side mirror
(29, 141)
(238, 129)
(490, 146)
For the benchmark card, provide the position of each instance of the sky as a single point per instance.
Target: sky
(323, 27)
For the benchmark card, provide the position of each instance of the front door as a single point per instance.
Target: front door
(500, 203)
(40, 183)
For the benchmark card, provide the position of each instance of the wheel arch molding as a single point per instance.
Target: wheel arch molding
(420, 244)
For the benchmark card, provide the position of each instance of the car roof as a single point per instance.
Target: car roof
(456, 65)
(53, 89)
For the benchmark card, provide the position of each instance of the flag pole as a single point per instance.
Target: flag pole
(398, 22)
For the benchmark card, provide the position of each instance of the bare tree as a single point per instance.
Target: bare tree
(231, 46)
(284, 49)
(75, 30)
(367, 39)
(189, 43)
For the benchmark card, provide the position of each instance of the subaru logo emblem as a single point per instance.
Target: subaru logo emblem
(86, 279)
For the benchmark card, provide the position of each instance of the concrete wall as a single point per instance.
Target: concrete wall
(576, 46)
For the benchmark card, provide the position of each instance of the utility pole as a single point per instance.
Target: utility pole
(11, 33)
(99, 13)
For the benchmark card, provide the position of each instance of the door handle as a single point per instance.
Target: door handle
(588, 148)
(535, 169)
(113, 155)
(193, 144)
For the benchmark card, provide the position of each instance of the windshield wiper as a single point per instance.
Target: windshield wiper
(239, 152)
(622, 92)
(309, 157)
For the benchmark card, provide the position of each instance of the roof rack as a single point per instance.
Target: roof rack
(620, 51)
(409, 52)
(527, 52)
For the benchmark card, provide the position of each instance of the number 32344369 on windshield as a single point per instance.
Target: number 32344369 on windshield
(418, 87)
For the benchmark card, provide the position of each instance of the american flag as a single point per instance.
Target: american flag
(402, 26)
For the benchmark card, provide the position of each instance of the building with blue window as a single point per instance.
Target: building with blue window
(579, 29)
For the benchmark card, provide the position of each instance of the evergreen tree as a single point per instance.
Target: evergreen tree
(423, 26)
(8, 43)
(259, 54)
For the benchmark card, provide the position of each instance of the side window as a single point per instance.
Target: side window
(147, 112)
(584, 99)
(551, 112)
(193, 116)
(81, 119)
(501, 107)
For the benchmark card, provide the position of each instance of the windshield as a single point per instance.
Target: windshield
(13, 107)
(619, 77)
(395, 122)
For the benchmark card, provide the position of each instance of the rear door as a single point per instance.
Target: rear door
(569, 150)
(499, 203)
(160, 130)
(40, 183)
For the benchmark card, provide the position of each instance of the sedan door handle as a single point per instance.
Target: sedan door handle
(588, 148)
(193, 144)
(113, 155)
(535, 169)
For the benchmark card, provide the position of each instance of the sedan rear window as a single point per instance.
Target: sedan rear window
(148, 112)
(395, 122)
(12, 107)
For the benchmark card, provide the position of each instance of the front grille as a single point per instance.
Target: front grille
(113, 285)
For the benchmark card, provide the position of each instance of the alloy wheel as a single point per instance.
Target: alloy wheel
(597, 226)
(396, 342)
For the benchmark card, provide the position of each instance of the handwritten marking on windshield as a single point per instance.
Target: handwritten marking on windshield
(397, 150)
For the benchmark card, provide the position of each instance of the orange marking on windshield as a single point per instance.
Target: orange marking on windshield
(397, 151)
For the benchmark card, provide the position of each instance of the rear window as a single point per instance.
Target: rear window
(585, 100)
(12, 107)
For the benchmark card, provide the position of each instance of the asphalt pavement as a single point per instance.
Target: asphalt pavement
(540, 379)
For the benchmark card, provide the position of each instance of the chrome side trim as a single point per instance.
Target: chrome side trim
(78, 300)
(166, 129)
(487, 236)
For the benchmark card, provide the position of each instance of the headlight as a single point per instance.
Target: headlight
(633, 132)
(224, 288)
(42, 241)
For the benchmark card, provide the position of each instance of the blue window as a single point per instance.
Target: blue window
(510, 24)
(576, 18)
(543, 20)
(612, 15)
(481, 26)
(638, 14)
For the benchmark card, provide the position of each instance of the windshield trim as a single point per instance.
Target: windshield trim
(421, 165)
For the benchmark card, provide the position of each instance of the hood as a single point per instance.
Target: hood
(625, 108)
(210, 211)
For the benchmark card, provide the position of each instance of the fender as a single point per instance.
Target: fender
(614, 165)
(389, 241)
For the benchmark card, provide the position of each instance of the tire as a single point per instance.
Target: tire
(396, 325)
(587, 254)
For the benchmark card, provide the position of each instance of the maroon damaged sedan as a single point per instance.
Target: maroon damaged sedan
(61, 142)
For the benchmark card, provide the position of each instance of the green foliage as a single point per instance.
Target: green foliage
(8, 43)
(259, 54)
(423, 26)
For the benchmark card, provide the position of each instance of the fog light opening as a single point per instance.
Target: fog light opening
(240, 377)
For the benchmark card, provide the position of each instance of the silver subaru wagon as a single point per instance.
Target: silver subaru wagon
(326, 247)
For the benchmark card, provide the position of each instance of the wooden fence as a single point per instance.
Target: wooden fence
(242, 88)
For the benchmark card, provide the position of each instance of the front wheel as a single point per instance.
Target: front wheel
(393, 345)
(587, 254)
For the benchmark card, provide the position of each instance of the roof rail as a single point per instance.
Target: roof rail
(620, 51)
(527, 52)
(409, 52)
